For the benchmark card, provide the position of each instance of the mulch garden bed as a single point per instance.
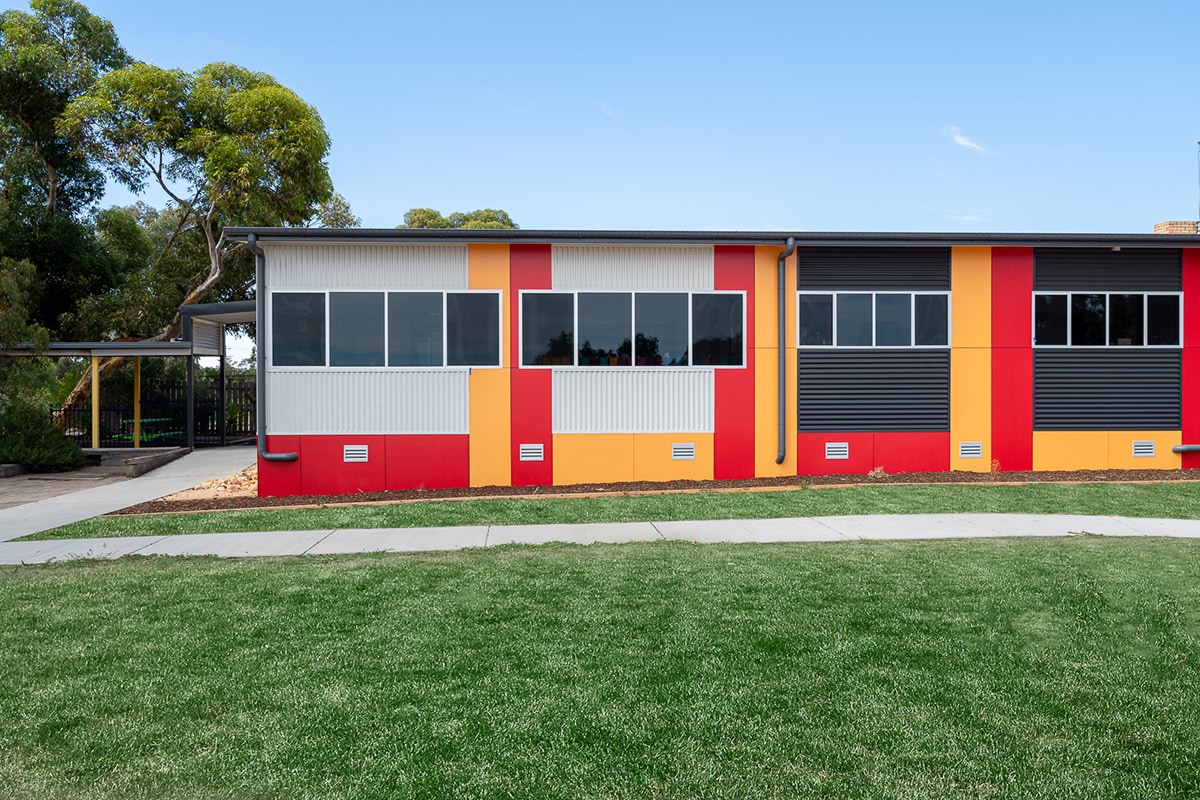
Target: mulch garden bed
(648, 487)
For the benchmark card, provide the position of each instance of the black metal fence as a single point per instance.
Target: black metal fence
(164, 417)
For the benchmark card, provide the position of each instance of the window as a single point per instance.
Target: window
(717, 330)
(1113, 319)
(547, 329)
(632, 329)
(356, 329)
(661, 329)
(298, 329)
(414, 329)
(472, 329)
(873, 319)
(605, 322)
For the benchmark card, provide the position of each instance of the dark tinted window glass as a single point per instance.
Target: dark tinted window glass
(356, 329)
(932, 319)
(1163, 319)
(472, 330)
(547, 326)
(1050, 319)
(893, 320)
(298, 329)
(1125, 320)
(662, 330)
(717, 329)
(854, 320)
(415, 329)
(605, 325)
(816, 319)
(1087, 319)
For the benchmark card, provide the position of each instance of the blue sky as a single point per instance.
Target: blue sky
(1008, 116)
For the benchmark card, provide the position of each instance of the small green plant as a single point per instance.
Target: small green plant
(28, 437)
(877, 473)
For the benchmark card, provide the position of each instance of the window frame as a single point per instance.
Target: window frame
(327, 367)
(1107, 321)
(575, 365)
(874, 293)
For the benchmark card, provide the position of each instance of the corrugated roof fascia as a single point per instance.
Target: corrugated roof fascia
(844, 238)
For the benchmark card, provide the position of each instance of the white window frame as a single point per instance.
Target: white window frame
(632, 326)
(1107, 321)
(326, 367)
(874, 293)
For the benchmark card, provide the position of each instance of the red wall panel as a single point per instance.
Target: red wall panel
(529, 268)
(733, 439)
(913, 452)
(810, 454)
(1012, 357)
(280, 478)
(1191, 354)
(322, 470)
(428, 461)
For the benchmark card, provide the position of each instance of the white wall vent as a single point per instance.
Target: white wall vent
(533, 452)
(970, 449)
(683, 452)
(1144, 449)
(837, 451)
(354, 453)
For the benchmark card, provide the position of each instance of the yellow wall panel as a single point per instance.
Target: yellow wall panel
(593, 458)
(766, 369)
(1070, 450)
(490, 400)
(971, 406)
(652, 457)
(971, 296)
(1120, 449)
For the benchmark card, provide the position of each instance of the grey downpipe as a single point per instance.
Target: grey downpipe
(260, 359)
(781, 450)
(1186, 448)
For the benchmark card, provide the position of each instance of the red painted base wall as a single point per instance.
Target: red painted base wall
(395, 462)
(894, 452)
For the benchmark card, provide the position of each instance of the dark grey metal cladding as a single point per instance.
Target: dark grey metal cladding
(1107, 270)
(873, 390)
(850, 268)
(1107, 389)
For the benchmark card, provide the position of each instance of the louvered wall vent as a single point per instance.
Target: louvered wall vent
(970, 449)
(533, 452)
(837, 451)
(354, 453)
(683, 452)
(1144, 449)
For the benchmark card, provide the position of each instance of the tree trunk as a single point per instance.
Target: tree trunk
(51, 187)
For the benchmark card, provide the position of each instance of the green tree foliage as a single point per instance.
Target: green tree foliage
(476, 220)
(48, 58)
(334, 213)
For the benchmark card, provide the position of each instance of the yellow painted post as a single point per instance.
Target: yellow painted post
(95, 402)
(137, 401)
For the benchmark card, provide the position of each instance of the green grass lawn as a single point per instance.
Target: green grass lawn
(1066, 668)
(1179, 500)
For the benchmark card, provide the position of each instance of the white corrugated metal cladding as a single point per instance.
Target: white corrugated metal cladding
(320, 267)
(647, 400)
(368, 401)
(594, 267)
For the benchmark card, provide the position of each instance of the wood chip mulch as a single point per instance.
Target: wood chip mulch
(647, 487)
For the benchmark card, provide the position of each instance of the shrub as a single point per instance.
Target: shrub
(28, 437)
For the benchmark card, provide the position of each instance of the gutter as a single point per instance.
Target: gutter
(781, 449)
(260, 317)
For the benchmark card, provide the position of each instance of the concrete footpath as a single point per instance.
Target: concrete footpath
(191, 470)
(410, 540)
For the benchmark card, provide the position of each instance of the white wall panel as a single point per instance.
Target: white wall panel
(638, 400)
(206, 337)
(367, 401)
(366, 266)
(631, 267)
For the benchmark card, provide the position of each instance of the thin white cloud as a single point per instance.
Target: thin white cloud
(957, 217)
(605, 109)
(955, 134)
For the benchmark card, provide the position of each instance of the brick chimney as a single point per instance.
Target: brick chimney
(1176, 226)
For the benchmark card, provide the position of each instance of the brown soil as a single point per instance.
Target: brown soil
(238, 496)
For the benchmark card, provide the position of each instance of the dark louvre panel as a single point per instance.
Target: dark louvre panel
(873, 390)
(896, 268)
(1103, 390)
(1105, 270)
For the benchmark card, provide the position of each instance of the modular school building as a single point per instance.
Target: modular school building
(398, 359)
